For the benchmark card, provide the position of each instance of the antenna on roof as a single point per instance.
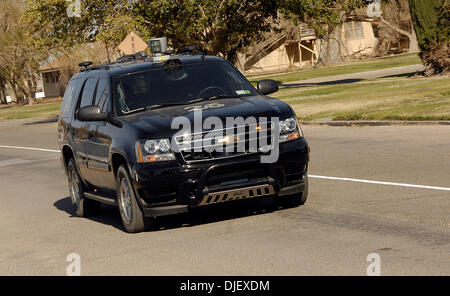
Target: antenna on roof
(85, 64)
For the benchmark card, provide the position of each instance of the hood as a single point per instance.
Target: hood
(159, 121)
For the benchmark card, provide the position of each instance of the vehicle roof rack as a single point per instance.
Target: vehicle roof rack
(97, 67)
(142, 55)
(85, 64)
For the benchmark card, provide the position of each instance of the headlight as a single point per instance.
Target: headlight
(290, 130)
(153, 151)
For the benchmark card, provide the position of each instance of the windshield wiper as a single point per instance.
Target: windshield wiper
(159, 106)
(152, 107)
(216, 97)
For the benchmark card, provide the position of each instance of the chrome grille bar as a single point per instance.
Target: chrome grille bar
(235, 194)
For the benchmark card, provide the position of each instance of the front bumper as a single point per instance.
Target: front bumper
(172, 188)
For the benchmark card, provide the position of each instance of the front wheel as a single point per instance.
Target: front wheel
(130, 212)
(83, 207)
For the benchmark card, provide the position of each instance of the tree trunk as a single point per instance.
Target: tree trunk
(330, 48)
(31, 90)
(231, 55)
(2, 91)
(17, 94)
(413, 44)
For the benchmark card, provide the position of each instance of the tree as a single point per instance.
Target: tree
(19, 61)
(219, 27)
(396, 18)
(67, 60)
(431, 20)
(324, 16)
(105, 21)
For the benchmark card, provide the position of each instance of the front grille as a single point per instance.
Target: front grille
(236, 194)
(225, 143)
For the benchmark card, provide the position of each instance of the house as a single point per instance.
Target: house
(358, 37)
(287, 51)
(52, 72)
(281, 51)
(51, 83)
(56, 73)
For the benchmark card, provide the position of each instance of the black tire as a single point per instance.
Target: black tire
(82, 206)
(132, 217)
(295, 200)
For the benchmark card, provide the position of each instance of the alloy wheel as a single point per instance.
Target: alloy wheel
(74, 188)
(125, 199)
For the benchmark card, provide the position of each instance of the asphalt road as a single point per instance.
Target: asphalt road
(332, 234)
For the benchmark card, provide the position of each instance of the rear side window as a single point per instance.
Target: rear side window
(88, 92)
(102, 95)
(71, 92)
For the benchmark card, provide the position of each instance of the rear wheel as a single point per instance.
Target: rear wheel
(295, 200)
(83, 207)
(132, 217)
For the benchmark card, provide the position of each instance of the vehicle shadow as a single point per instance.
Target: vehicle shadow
(217, 213)
(42, 121)
(109, 215)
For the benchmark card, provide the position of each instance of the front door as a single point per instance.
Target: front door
(100, 171)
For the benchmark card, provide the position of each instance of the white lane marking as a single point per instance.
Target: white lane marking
(381, 183)
(13, 161)
(311, 176)
(18, 161)
(29, 148)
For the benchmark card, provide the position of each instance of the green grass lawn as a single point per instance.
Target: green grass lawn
(44, 110)
(378, 99)
(352, 67)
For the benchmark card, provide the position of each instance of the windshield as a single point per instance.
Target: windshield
(179, 85)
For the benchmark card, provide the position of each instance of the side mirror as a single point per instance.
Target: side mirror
(268, 86)
(92, 113)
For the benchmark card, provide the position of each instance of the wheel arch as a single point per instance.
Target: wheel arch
(118, 159)
(67, 154)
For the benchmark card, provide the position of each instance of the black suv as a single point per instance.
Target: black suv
(120, 146)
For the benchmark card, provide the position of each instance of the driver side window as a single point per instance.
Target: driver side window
(88, 92)
(121, 101)
(102, 96)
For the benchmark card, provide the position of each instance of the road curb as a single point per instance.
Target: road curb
(374, 123)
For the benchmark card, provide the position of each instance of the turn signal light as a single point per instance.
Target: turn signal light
(293, 136)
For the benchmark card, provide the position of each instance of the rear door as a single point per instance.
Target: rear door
(83, 131)
(67, 109)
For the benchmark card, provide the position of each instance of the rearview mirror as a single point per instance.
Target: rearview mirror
(92, 113)
(267, 86)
